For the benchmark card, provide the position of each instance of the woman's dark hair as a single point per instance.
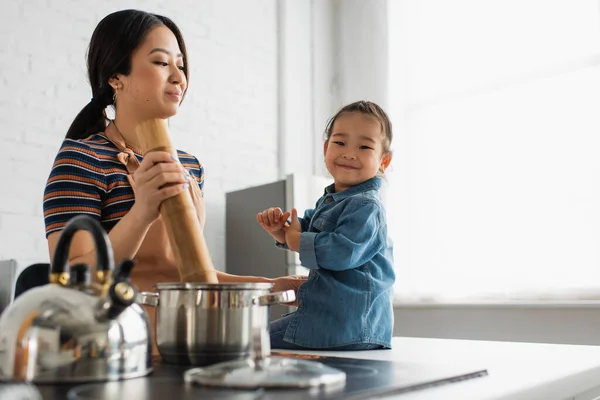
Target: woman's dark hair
(113, 42)
(367, 108)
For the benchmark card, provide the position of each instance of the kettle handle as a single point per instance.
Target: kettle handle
(59, 272)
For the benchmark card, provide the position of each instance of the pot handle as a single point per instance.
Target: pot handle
(261, 341)
(274, 298)
(261, 344)
(147, 298)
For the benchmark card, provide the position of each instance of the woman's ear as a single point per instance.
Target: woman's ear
(115, 82)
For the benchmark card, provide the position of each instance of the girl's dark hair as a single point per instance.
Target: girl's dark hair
(367, 108)
(113, 42)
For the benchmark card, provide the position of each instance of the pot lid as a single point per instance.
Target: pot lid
(271, 372)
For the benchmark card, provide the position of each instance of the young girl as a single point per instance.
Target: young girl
(346, 302)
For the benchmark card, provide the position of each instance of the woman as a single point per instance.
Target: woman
(137, 63)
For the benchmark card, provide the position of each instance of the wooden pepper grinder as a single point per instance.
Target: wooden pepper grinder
(179, 214)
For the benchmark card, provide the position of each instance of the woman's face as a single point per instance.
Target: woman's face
(156, 84)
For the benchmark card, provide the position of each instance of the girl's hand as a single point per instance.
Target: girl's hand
(159, 177)
(293, 232)
(273, 220)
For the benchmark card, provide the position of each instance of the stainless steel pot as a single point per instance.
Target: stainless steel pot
(202, 324)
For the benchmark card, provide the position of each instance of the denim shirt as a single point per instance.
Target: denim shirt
(347, 298)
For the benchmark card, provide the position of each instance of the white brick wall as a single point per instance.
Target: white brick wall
(228, 120)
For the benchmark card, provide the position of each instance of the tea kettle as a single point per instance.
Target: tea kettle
(73, 330)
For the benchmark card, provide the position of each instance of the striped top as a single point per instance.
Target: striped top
(88, 178)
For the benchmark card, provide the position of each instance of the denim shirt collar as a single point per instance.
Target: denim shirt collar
(372, 184)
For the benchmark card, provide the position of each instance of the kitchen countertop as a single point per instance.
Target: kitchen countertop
(515, 370)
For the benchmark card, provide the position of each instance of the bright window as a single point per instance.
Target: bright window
(495, 186)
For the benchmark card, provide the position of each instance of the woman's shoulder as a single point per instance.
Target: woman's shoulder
(95, 149)
(94, 145)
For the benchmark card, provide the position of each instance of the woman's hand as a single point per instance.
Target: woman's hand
(292, 282)
(273, 221)
(159, 177)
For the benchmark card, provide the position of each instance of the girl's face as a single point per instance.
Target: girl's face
(156, 84)
(354, 152)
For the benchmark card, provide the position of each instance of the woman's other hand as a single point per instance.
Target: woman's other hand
(291, 282)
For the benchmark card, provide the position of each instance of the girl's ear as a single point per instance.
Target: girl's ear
(385, 161)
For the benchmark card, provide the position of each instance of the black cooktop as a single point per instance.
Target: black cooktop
(364, 379)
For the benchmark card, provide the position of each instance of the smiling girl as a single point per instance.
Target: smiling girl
(346, 304)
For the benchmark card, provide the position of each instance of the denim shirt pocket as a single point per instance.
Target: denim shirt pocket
(322, 224)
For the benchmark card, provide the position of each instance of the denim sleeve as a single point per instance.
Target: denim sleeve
(283, 246)
(355, 240)
(304, 223)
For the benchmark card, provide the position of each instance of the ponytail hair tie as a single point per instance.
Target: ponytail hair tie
(96, 103)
